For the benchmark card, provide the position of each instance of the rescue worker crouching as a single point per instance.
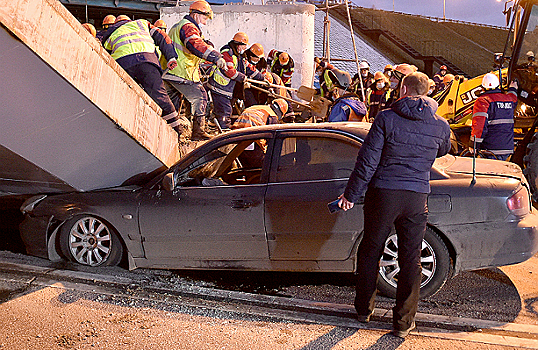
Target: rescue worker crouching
(378, 95)
(493, 119)
(132, 45)
(256, 116)
(222, 81)
(347, 106)
(192, 49)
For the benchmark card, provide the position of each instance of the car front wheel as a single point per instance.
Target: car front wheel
(90, 241)
(434, 259)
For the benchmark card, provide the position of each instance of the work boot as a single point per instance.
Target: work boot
(198, 132)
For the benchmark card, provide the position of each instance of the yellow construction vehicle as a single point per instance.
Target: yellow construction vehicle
(515, 63)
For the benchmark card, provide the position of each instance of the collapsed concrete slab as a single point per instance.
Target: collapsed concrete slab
(72, 119)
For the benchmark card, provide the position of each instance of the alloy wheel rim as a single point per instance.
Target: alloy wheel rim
(389, 267)
(90, 241)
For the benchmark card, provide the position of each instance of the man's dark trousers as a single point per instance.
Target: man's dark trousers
(407, 211)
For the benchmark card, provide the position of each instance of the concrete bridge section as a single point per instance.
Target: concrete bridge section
(72, 119)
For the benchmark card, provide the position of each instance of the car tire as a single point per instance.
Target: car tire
(435, 260)
(90, 241)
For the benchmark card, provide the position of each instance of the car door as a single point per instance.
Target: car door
(215, 212)
(309, 170)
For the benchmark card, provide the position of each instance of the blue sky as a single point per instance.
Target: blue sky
(479, 11)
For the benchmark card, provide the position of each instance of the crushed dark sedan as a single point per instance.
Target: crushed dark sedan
(256, 199)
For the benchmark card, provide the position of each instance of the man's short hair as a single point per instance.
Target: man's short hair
(416, 83)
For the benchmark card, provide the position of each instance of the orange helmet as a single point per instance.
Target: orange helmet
(90, 28)
(388, 67)
(108, 20)
(268, 76)
(281, 104)
(283, 58)
(448, 78)
(241, 37)
(160, 24)
(379, 76)
(122, 18)
(202, 7)
(257, 49)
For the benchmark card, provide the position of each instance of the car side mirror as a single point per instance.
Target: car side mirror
(168, 182)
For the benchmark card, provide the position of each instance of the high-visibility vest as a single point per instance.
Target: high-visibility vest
(218, 76)
(130, 38)
(187, 63)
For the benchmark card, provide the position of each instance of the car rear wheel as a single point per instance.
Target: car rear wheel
(434, 258)
(90, 241)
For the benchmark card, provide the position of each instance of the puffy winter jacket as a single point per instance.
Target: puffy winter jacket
(400, 148)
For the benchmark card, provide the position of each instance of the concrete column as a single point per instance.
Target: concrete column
(285, 27)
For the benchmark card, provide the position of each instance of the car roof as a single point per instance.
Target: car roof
(359, 129)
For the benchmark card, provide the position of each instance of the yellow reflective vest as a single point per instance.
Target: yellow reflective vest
(130, 38)
(187, 63)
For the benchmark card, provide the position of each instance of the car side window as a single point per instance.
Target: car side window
(232, 164)
(315, 158)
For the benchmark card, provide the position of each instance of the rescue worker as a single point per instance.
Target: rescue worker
(347, 106)
(191, 49)
(90, 28)
(447, 79)
(388, 70)
(253, 56)
(378, 95)
(160, 24)
(493, 119)
(107, 22)
(326, 85)
(367, 80)
(256, 116)
(262, 114)
(399, 72)
(132, 45)
(222, 81)
(431, 89)
(282, 65)
(438, 78)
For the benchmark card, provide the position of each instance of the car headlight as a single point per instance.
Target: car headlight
(519, 202)
(31, 202)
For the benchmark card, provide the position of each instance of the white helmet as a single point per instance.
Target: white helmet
(364, 65)
(490, 81)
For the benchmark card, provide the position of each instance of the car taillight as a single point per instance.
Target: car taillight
(519, 203)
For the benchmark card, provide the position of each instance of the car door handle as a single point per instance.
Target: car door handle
(240, 204)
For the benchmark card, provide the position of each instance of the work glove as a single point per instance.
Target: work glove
(246, 85)
(221, 63)
(172, 64)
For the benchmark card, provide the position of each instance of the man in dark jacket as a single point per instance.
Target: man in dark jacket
(393, 169)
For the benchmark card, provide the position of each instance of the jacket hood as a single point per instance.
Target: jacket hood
(415, 107)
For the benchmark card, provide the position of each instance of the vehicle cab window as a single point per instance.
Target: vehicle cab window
(316, 158)
(231, 164)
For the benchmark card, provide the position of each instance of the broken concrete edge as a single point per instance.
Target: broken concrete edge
(285, 303)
